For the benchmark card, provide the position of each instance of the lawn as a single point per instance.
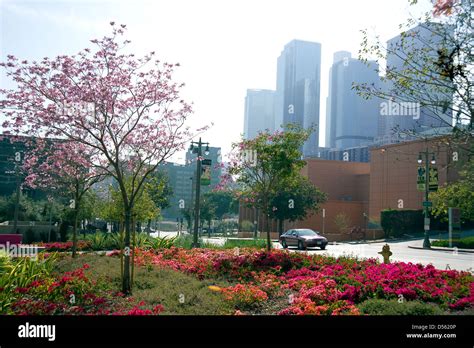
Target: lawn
(228, 281)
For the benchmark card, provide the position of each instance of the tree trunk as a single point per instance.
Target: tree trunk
(74, 229)
(134, 245)
(280, 226)
(267, 227)
(126, 286)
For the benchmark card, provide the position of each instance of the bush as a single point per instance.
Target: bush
(396, 223)
(464, 243)
(247, 226)
(393, 307)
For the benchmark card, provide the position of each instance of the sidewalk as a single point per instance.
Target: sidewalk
(419, 245)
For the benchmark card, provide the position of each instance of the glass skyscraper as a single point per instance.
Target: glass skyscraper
(351, 120)
(298, 90)
(259, 112)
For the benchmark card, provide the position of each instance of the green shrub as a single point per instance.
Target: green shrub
(393, 307)
(20, 272)
(247, 226)
(396, 223)
(464, 243)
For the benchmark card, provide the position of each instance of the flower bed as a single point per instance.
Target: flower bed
(317, 284)
(73, 293)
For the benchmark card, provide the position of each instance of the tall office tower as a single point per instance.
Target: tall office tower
(352, 121)
(297, 95)
(259, 112)
(405, 111)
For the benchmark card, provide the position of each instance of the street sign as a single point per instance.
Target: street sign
(433, 180)
(420, 182)
(427, 224)
(206, 172)
(427, 204)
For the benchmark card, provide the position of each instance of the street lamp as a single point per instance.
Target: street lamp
(196, 147)
(424, 156)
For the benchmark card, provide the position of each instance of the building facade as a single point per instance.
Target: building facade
(403, 113)
(351, 121)
(259, 112)
(298, 90)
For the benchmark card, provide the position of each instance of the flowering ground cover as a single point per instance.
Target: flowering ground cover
(246, 281)
(316, 284)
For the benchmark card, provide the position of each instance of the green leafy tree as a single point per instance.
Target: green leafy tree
(261, 164)
(295, 200)
(459, 194)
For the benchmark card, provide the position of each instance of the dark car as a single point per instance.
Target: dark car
(303, 238)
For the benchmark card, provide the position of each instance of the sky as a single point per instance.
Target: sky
(224, 47)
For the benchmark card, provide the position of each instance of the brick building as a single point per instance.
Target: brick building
(361, 191)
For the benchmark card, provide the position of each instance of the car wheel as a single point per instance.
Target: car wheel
(323, 246)
(283, 244)
(301, 245)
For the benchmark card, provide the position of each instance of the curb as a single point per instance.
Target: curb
(468, 251)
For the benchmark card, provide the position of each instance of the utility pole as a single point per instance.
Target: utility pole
(17, 199)
(197, 150)
(426, 154)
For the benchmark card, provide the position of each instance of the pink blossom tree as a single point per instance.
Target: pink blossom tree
(64, 167)
(125, 108)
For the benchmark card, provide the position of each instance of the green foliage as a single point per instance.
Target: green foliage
(463, 243)
(247, 226)
(30, 209)
(244, 243)
(159, 189)
(144, 208)
(278, 159)
(18, 273)
(296, 197)
(396, 223)
(393, 307)
(459, 194)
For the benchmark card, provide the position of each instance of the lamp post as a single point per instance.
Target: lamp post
(17, 160)
(425, 154)
(196, 147)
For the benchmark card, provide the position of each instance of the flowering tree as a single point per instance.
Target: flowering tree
(62, 166)
(127, 111)
(261, 164)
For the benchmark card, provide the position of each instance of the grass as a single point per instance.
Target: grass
(464, 243)
(393, 307)
(186, 241)
(180, 294)
(245, 243)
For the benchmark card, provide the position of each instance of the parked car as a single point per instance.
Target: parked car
(303, 238)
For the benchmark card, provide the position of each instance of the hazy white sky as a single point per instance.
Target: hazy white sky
(224, 46)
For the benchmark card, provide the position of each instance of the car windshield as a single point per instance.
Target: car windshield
(307, 233)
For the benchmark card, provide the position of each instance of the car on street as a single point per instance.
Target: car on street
(303, 238)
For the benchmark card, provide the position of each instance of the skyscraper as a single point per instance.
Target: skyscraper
(298, 89)
(259, 112)
(351, 121)
(405, 112)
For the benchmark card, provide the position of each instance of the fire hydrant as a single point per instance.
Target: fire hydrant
(386, 253)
